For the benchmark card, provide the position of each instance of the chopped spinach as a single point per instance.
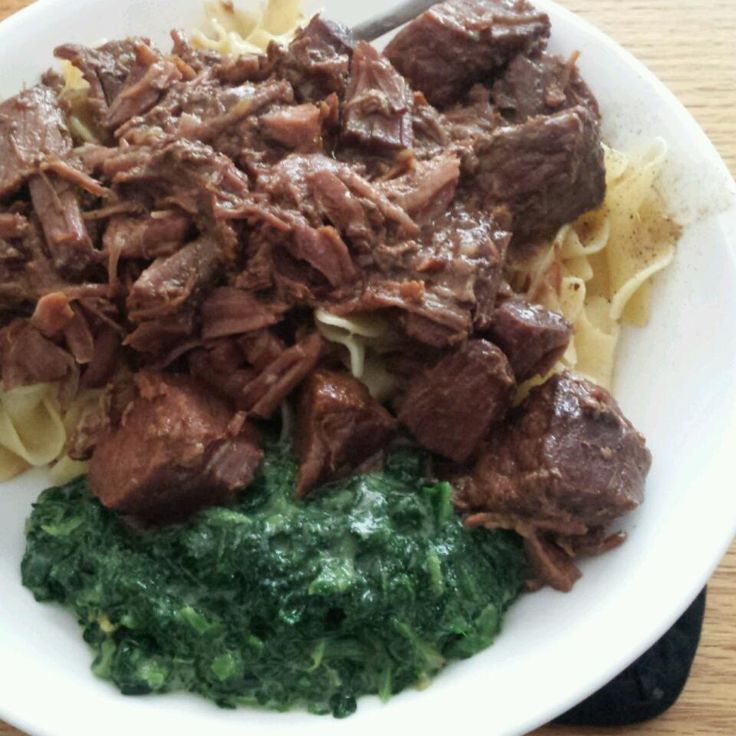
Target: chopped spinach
(370, 587)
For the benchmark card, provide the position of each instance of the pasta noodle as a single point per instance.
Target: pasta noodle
(31, 430)
(365, 338)
(34, 429)
(243, 31)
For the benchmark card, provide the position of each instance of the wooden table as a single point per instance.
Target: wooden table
(690, 45)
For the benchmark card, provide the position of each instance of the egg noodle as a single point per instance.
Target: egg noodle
(35, 428)
(597, 272)
(245, 31)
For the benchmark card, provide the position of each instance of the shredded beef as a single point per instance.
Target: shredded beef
(57, 206)
(429, 128)
(170, 282)
(217, 202)
(262, 396)
(105, 69)
(147, 81)
(230, 311)
(32, 127)
(158, 235)
(377, 112)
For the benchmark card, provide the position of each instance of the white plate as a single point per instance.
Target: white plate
(675, 381)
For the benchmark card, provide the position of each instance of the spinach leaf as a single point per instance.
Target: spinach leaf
(369, 587)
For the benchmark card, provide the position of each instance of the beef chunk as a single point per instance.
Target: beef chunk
(230, 311)
(459, 42)
(542, 84)
(27, 357)
(32, 127)
(339, 426)
(377, 110)
(568, 463)
(263, 395)
(149, 78)
(474, 119)
(56, 204)
(427, 191)
(169, 282)
(187, 174)
(568, 457)
(451, 407)
(548, 170)
(177, 449)
(157, 236)
(105, 68)
(445, 280)
(466, 257)
(533, 338)
(429, 128)
(298, 127)
(317, 61)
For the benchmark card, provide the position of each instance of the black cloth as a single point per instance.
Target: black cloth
(649, 686)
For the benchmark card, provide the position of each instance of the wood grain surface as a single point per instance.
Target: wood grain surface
(688, 44)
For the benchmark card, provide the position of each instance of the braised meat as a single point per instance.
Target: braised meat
(542, 84)
(32, 128)
(339, 425)
(189, 219)
(57, 205)
(27, 357)
(177, 448)
(450, 407)
(298, 127)
(532, 337)
(548, 171)
(317, 61)
(567, 463)
(377, 110)
(105, 68)
(459, 42)
(148, 79)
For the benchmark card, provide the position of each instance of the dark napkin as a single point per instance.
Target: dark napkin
(649, 686)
